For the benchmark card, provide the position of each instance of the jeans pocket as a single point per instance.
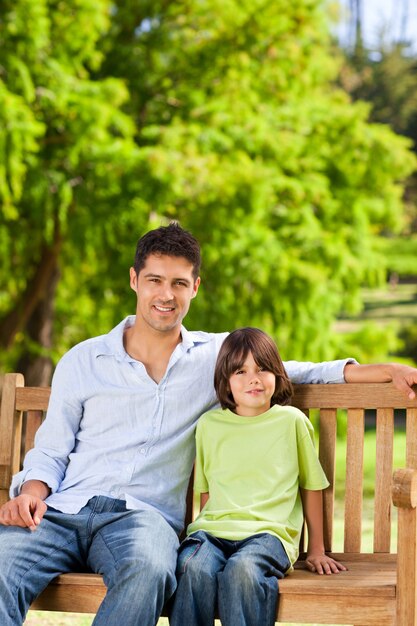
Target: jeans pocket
(187, 550)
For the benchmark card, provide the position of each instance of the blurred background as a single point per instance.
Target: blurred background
(282, 134)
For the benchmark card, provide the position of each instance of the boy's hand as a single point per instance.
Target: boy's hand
(25, 511)
(323, 564)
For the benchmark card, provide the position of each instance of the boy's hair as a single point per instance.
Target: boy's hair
(171, 240)
(232, 356)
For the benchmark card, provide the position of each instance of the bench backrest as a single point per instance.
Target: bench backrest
(23, 409)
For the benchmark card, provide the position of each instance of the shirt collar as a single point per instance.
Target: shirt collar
(113, 341)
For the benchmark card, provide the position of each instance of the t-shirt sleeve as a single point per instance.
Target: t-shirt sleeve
(311, 474)
(200, 481)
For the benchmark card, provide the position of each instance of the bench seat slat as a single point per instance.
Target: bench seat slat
(366, 579)
(334, 609)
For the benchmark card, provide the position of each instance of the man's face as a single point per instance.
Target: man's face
(164, 288)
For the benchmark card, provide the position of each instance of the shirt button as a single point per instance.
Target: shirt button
(142, 450)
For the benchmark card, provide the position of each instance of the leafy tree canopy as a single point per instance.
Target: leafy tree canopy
(120, 116)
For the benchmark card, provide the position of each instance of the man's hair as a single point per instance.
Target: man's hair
(171, 240)
(232, 356)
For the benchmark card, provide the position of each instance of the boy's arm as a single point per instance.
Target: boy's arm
(203, 499)
(317, 560)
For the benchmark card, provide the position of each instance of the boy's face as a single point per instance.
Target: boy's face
(165, 287)
(252, 388)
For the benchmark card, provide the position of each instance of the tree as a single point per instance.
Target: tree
(251, 147)
(220, 114)
(65, 154)
(387, 80)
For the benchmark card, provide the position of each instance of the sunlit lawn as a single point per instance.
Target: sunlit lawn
(42, 618)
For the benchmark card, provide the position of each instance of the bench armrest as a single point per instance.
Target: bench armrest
(404, 488)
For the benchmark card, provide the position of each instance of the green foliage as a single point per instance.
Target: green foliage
(408, 337)
(220, 114)
(400, 254)
(371, 342)
(68, 156)
(388, 80)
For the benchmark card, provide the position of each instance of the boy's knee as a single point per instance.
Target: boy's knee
(242, 572)
(195, 569)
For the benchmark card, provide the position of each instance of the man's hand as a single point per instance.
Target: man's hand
(403, 377)
(323, 564)
(25, 511)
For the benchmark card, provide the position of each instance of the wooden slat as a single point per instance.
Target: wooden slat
(336, 609)
(32, 398)
(364, 576)
(383, 474)
(351, 396)
(78, 593)
(368, 582)
(327, 454)
(9, 428)
(411, 450)
(365, 594)
(407, 564)
(354, 480)
(32, 422)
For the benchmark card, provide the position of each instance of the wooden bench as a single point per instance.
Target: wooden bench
(380, 588)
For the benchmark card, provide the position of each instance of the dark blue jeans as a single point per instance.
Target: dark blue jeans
(238, 578)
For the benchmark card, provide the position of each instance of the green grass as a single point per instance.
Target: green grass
(383, 306)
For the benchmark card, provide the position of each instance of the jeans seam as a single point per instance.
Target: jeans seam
(19, 582)
(184, 567)
(100, 536)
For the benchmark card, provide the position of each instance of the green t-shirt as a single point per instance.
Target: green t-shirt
(252, 468)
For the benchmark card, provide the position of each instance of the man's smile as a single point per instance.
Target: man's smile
(164, 309)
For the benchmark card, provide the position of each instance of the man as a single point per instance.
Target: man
(104, 487)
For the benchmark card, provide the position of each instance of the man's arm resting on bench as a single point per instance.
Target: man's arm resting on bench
(402, 376)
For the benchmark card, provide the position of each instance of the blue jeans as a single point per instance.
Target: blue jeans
(135, 550)
(238, 578)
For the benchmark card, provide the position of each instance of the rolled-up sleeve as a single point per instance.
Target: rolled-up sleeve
(324, 372)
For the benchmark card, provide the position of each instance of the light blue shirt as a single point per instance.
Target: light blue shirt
(112, 430)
